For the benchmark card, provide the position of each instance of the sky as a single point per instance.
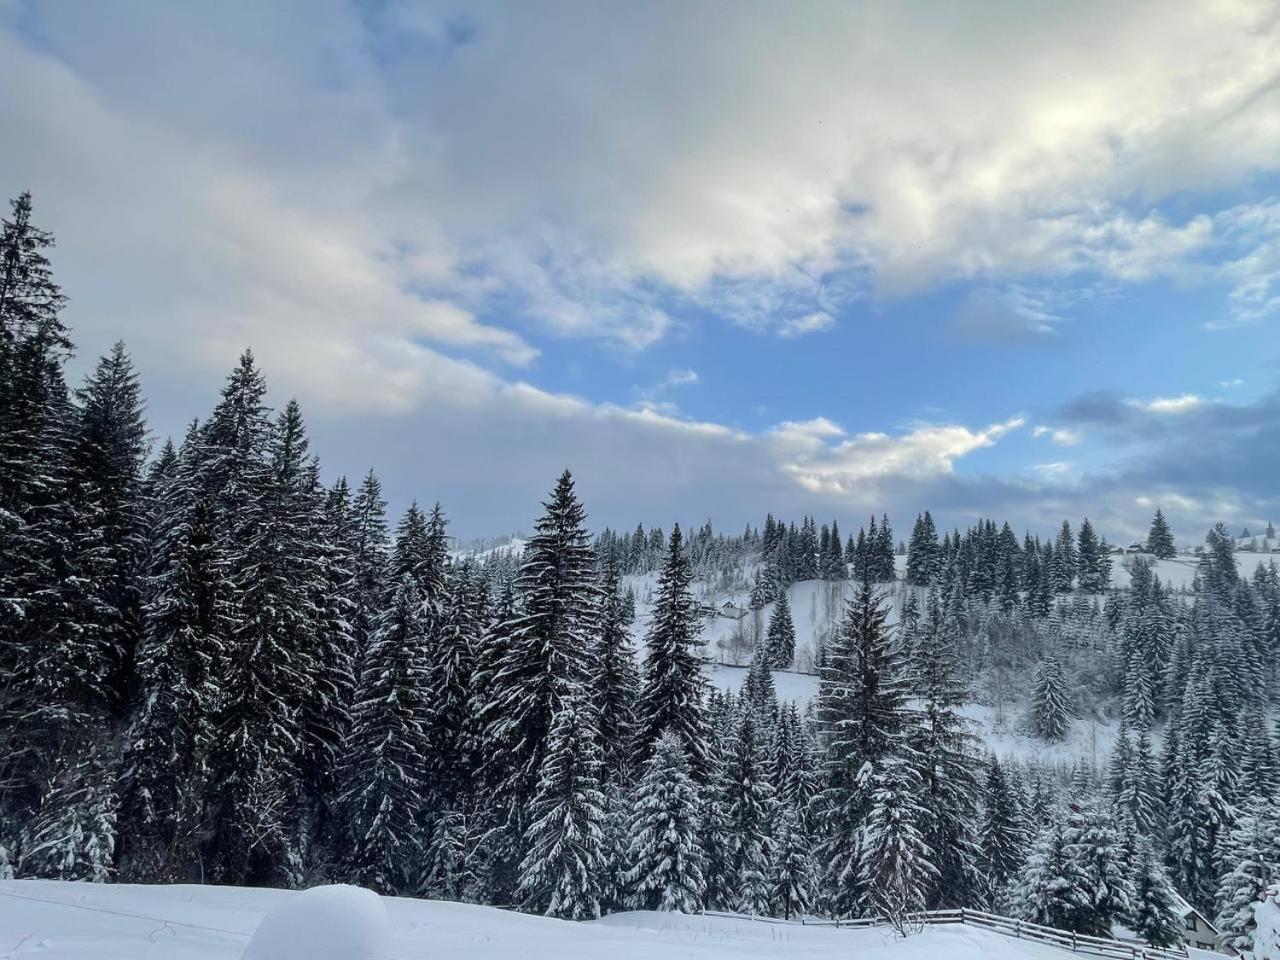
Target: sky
(1018, 260)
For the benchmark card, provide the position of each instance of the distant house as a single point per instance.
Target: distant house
(1198, 932)
(1136, 548)
(732, 611)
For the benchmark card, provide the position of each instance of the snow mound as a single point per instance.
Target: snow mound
(1266, 938)
(338, 922)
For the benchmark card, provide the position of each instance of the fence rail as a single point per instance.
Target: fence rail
(1008, 926)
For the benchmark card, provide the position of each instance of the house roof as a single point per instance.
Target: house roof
(1185, 909)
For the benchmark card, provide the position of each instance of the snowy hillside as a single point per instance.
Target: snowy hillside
(48, 920)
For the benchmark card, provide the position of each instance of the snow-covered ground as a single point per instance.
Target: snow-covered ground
(50, 920)
(1178, 572)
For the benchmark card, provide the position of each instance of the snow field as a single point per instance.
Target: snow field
(52, 920)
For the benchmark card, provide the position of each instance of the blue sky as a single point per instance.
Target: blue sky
(1019, 260)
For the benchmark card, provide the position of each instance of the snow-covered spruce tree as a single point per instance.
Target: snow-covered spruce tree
(791, 876)
(55, 672)
(499, 840)
(674, 690)
(367, 547)
(448, 871)
(1065, 560)
(1187, 852)
(896, 866)
(781, 637)
(452, 638)
(1002, 838)
(1135, 785)
(562, 871)
(1051, 888)
(664, 856)
(254, 807)
(616, 684)
(548, 652)
(186, 602)
(1094, 563)
(74, 833)
(1160, 538)
(723, 710)
(749, 807)
(886, 571)
(326, 712)
(863, 718)
(1050, 713)
(1156, 917)
(104, 477)
(922, 552)
(945, 750)
(1094, 845)
(1251, 858)
(382, 773)
(758, 692)
(615, 845)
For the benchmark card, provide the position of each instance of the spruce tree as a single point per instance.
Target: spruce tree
(382, 772)
(562, 873)
(616, 684)
(367, 548)
(1094, 845)
(73, 836)
(922, 552)
(253, 832)
(792, 872)
(674, 689)
(1094, 563)
(781, 638)
(664, 855)
(1065, 560)
(548, 655)
(1052, 890)
(945, 748)
(1156, 916)
(187, 605)
(1001, 837)
(1160, 538)
(1050, 713)
(896, 865)
(749, 805)
(864, 720)
(104, 479)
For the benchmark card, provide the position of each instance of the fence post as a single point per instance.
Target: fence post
(1073, 941)
(1017, 929)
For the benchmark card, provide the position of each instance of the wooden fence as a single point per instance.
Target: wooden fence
(1021, 929)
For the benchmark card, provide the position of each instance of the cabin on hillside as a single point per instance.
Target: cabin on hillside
(732, 611)
(1199, 932)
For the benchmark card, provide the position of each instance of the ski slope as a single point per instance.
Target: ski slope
(51, 920)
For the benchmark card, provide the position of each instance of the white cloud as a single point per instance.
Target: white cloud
(675, 378)
(813, 453)
(1062, 436)
(810, 323)
(1169, 405)
(1054, 470)
(589, 173)
(1231, 384)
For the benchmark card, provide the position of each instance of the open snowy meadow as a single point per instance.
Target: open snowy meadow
(51, 920)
